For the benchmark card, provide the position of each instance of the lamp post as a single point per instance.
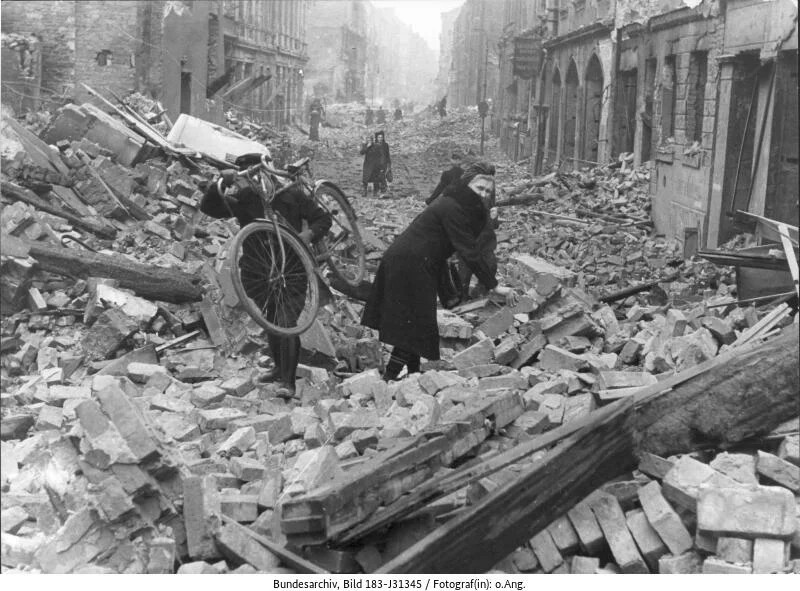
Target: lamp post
(482, 106)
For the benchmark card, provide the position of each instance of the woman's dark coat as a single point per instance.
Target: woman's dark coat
(376, 162)
(402, 303)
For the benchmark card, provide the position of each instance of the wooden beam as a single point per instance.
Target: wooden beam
(745, 392)
(148, 281)
(508, 517)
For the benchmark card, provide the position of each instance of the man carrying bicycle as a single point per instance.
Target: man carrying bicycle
(233, 196)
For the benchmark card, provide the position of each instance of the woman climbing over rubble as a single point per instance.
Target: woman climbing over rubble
(402, 302)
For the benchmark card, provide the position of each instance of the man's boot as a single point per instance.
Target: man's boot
(275, 351)
(290, 357)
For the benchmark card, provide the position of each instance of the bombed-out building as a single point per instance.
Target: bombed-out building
(195, 57)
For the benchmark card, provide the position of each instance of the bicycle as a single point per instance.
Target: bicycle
(273, 270)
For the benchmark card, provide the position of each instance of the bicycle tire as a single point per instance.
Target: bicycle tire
(344, 248)
(255, 253)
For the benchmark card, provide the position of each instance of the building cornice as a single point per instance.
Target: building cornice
(593, 30)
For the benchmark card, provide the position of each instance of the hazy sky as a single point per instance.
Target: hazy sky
(422, 15)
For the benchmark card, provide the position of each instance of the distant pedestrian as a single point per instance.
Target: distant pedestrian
(315, 117)
(369, 117)
(381, 116)
(377, 163)
(398, 114)
(449, 176)
(442, 107)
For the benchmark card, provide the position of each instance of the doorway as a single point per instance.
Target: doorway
(186, 92)
(592, 111)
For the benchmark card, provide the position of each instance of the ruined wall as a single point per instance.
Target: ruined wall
(479, 24)
(185, 52)
(54, 24)
(680, 180)
(108, 39)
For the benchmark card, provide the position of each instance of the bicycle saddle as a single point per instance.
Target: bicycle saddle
(294, 167)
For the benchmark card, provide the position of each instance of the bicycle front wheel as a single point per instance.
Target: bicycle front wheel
(343, 248)
(277, 287)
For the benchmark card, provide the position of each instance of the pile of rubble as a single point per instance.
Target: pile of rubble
(135, 437)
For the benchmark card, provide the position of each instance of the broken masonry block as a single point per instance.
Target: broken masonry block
(739, 467)
(769, 555)
(687, 563)
(481, 353)
(315, 467)
(682, 483)
(498, 323)
(758, 512)
(664, 519)
(239, 507)
(612, 522)
(554, 358)
(738, 550)
(646, 538)
(546, 551)
(715, 566)
(778, 470)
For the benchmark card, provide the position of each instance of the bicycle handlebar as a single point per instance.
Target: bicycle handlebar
(265, 166)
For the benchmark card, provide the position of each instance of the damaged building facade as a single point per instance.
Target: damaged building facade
(704, 92)
(194, 57)
(361, 52)
(474, 67)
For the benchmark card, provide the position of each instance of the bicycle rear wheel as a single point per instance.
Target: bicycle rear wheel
(279, 291)
(343, 248)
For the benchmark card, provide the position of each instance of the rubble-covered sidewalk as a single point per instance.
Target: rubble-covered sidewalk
(628, 415)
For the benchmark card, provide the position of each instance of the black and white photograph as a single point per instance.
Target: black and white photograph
(429, 295)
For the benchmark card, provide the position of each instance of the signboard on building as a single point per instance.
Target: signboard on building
(528, 54)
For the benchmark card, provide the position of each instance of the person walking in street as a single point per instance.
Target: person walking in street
(442, 107)
(449, 176)
(369, 116)
(233, 196)
(315, 117)
(377, 163)
(380, 118)
(398, 114)
(402, 301)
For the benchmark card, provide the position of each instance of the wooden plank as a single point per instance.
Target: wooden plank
(298, 563)
(762, 325)
(744, 392)
(29, 197)
(509, 516)
(326, 513)
(447, 483)
(148, 281)
(790, 256)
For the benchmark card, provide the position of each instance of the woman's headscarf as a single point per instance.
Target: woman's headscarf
(471, 170)
(476, 169)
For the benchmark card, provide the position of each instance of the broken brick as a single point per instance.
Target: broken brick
(759, 512)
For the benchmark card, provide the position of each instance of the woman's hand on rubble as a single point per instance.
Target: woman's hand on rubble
(508, 293)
